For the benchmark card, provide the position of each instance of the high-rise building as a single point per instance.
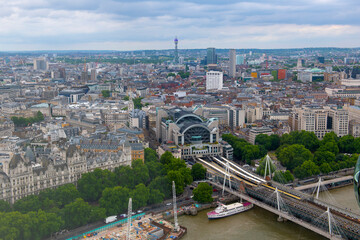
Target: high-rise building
(211, 57)
(232, 62)
(41, 64)
(240, 59)
(93, 75)
(62, 73)
(214, 80)
(84, 76)
(281, 74)
(321, 60)
(236, 117)
(299, 63)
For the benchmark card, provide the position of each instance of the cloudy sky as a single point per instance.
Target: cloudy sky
(153, 24)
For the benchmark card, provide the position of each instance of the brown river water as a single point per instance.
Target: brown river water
(259, 224)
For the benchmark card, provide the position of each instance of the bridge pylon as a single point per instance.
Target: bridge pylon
(268, 163)
(227, 174)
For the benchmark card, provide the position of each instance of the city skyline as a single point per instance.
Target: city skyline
(143, 25)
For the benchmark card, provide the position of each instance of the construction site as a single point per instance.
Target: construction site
(139, 226)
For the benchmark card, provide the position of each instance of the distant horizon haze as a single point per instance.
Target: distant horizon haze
(140, 25)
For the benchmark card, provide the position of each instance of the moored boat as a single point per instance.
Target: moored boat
(227, 210)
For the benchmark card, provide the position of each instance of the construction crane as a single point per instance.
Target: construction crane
(129, 219)
(176, 228)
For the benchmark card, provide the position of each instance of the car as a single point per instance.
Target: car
(139, 211)
(168, 204)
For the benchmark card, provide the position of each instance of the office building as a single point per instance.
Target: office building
(214, 80)
(93, 75)
(321, 60)
(240, 59)
(41, 64)
(281, 74)
(320, 120)
(257, 131)
(236, 117)
(137, 118)
(211, 57)
(232, 62)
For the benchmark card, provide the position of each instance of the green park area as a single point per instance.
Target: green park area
(301, 152)
(99, 194)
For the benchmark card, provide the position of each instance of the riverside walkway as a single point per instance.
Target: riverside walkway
(331, 181)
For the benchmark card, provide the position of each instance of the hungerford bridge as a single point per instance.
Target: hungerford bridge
(318, 216)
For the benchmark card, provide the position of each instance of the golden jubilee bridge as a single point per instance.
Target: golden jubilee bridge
(330, 221)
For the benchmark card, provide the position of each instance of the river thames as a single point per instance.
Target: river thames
(260, 224)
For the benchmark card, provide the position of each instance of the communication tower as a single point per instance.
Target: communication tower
(176, 57)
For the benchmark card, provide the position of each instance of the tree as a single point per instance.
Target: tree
(4, 206)
(23, 122)
(105, 93)
(308, 139)
(251, 152)
(288, 176)
(126, 98)
(286, 139)
(321, 157)
(307, 169)
(325, 168)
(39, 116)
(91, 184)
(140, 196)
(357, 145)
(163, 184)
(125, 177)
(329, 137)
(155, 169)
(115, 200)
(178, 178)
(186, 173)
(283, 177)
(198, 172)
(166, 158)
(140, 171)
(275, 142)
(261, 169)
(150, 155)
(14, 225)
(171, 75)
(330, 146)
(137, 103)
(270, 143)
(156, 196)
(203, 193)
(175, 164)
(42, 224)
(27, 204)
(293, 156)
(183, 74)
(346, 144)
(79, 213)
(66, 194)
